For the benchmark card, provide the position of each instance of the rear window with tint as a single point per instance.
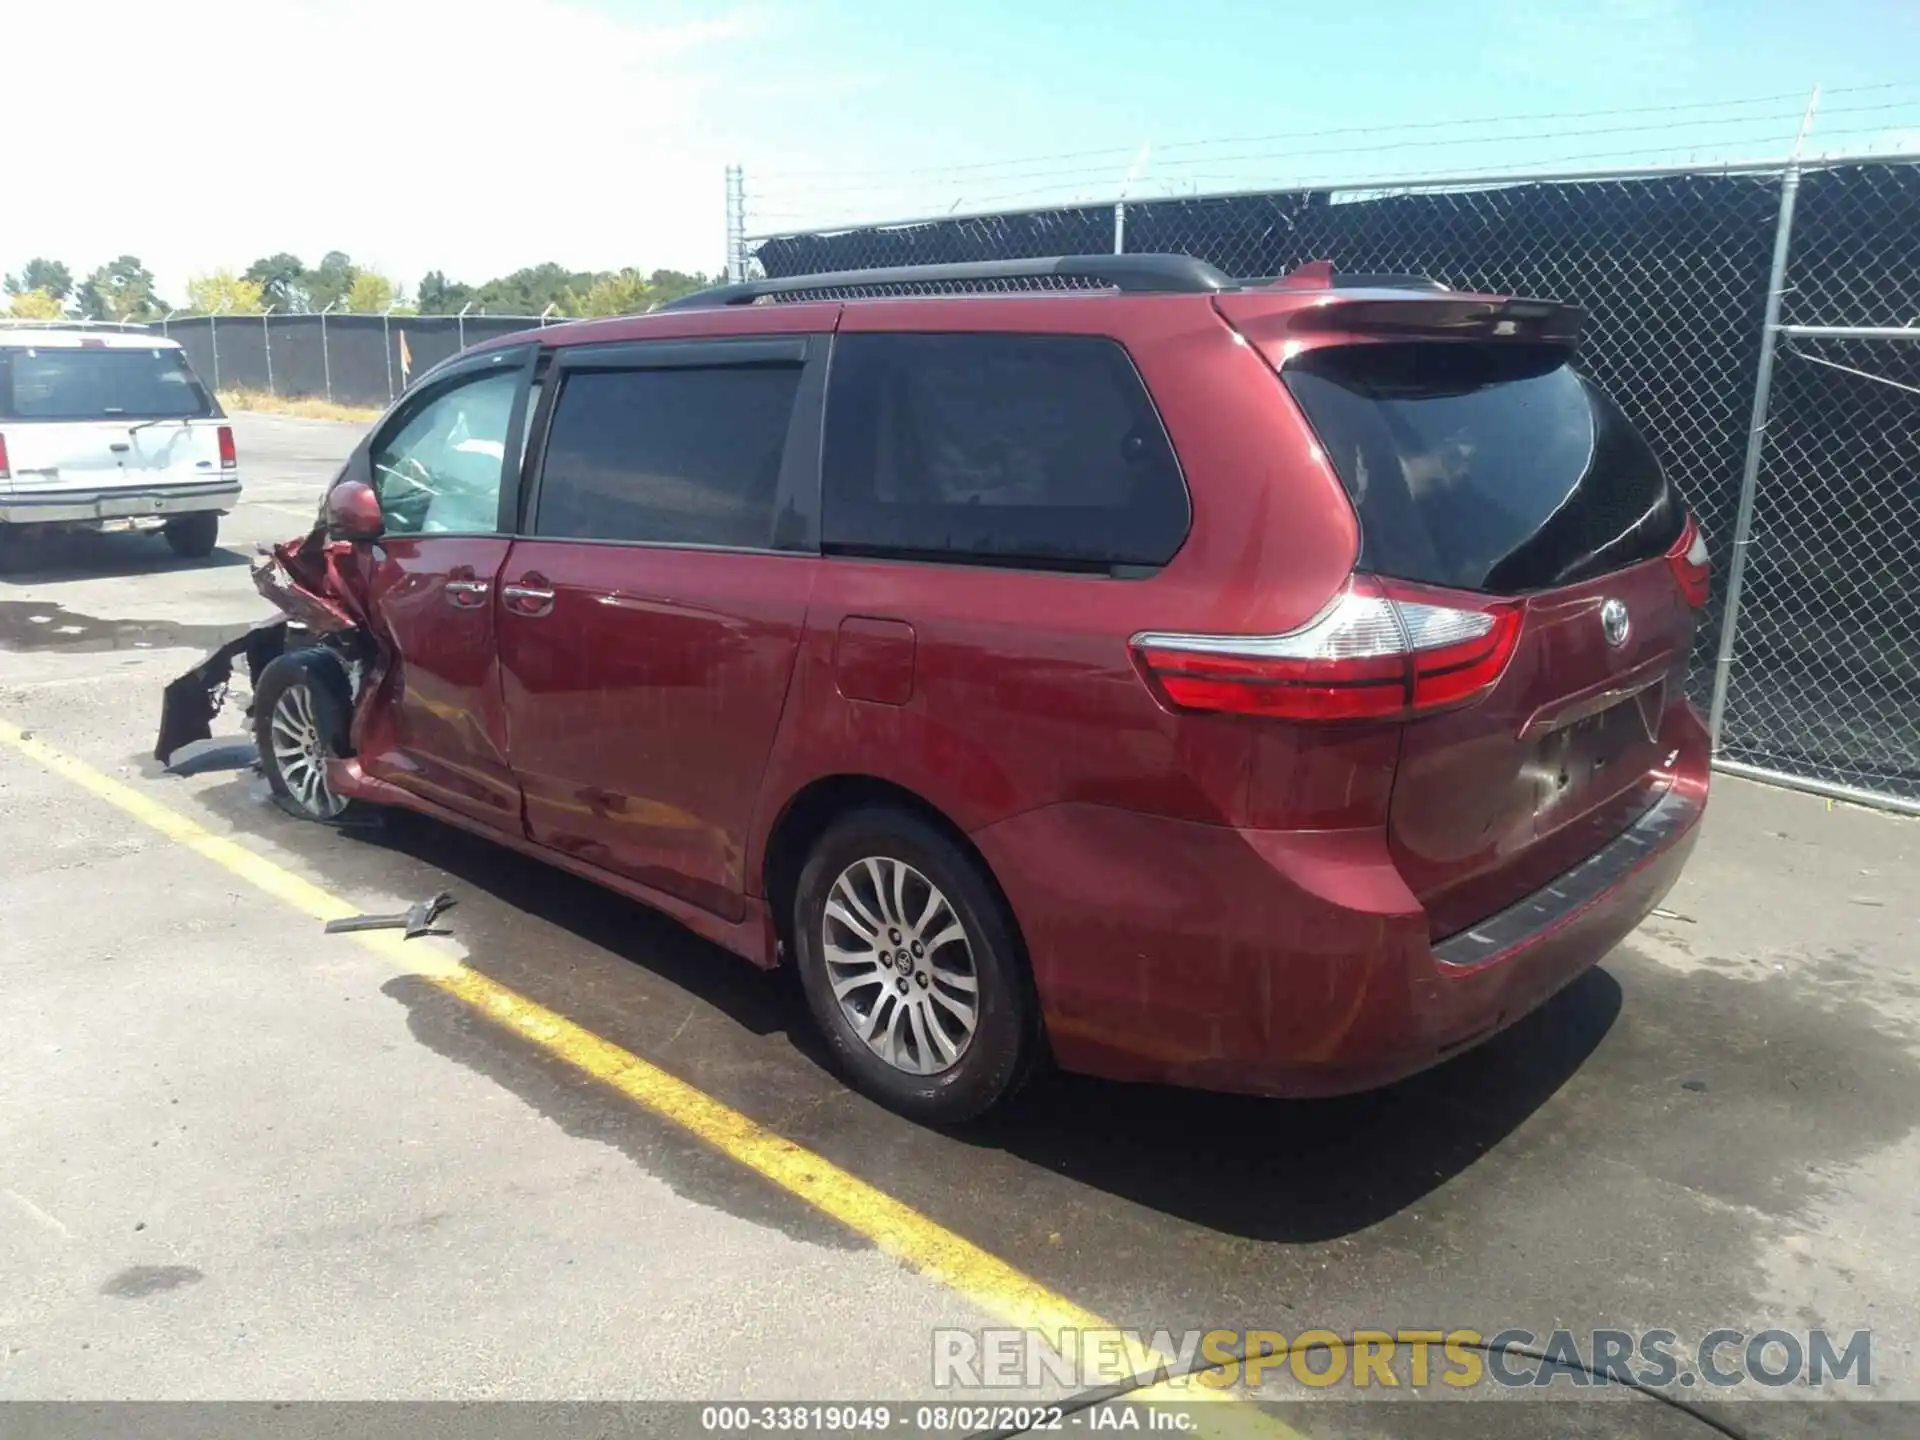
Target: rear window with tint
(1038, 450)
(103, 384)
(1484, 467)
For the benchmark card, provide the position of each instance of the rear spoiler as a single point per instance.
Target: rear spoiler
(1411, 306)
(1446, 317)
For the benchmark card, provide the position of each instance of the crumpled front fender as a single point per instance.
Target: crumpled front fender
(309, 581)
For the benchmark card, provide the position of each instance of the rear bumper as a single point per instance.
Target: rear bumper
(1299, 963)
(74, 505)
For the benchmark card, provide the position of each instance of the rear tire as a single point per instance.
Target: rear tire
(193, 536)
(300, 718)
(912, 968)
(16, 547)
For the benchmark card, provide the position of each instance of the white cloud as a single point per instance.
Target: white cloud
(472, 136)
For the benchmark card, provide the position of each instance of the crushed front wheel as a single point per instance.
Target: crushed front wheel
(300, 718)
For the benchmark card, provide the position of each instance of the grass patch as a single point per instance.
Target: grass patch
(306, 407)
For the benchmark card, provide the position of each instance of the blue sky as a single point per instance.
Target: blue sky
(475, 136)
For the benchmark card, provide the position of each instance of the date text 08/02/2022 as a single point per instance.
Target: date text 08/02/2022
(960, 1419)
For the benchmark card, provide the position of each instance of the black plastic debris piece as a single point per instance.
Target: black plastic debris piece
(190, 703)
(416, 921)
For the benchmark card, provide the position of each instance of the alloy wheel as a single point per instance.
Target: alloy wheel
(901, 965)
(300, 753)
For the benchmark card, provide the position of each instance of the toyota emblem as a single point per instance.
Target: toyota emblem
(1614, 623)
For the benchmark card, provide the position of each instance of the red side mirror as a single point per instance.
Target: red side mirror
(353, 512)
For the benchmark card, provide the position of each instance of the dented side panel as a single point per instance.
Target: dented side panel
(431, 720)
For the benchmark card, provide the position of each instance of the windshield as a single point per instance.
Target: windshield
(1485, 467)
(100, 384)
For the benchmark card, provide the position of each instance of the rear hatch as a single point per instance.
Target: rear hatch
(1487, 474)
(100, 416)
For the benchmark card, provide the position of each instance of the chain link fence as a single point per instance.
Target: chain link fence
(1823, 668)
(1688, 279)
(346, 359)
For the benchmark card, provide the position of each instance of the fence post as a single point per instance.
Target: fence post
(386, 343)
(461, 321)
(326, 356)
(163, 321)
(266, 346)
(213, 339)
(736, 224)
(1119, 227)
(1756, 444)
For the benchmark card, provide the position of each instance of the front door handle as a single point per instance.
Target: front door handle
(467, 594)
(531, 597)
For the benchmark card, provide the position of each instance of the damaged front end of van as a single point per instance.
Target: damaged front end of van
(311, 582)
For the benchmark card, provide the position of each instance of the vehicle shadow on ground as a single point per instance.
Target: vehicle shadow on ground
(1302, 1171)
(1270, 1170)
(48, 560)
(760, 1003)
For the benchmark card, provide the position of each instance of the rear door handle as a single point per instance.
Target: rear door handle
(531, 598)
(467, 594)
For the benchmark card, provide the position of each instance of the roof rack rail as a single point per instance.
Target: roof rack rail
(1129, 274)
(9, 322)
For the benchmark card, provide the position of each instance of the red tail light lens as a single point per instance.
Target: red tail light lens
(229, 457)
(1688, 557)
(1381, 651)
(6, 469)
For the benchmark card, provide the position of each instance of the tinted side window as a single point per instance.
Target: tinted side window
(1488, 467)
(1035, 449)
(687, 457)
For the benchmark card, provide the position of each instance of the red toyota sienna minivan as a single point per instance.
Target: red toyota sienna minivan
(1269, 686)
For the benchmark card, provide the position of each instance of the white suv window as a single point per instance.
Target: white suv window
(109, 383)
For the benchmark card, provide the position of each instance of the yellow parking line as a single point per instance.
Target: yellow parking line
(1010, 1296)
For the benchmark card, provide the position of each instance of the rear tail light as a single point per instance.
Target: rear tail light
(6, 471)
(1688, 557)
(229, 457)
(1381, 651)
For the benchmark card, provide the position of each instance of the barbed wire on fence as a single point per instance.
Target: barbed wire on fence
(1868, 121)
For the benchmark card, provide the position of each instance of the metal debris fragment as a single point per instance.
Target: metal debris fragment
(416, 921)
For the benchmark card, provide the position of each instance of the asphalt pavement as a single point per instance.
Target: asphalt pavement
(240, 1159)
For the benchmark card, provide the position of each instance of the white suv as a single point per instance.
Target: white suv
(110, 430)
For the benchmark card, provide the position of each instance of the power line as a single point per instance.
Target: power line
(1080, 172)
(1125, 152)
(1514, 173)
(1749, 131)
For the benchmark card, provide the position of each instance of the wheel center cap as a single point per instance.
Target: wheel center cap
(903, 962)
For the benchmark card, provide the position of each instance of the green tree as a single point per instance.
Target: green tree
(672, 284)
(282, 280)
(122, 289)
(41, 273)
(533, 289)
(370, 294)
(35, 305)
(330, 281)
(224, 293)
(441, 296)
(621, 292)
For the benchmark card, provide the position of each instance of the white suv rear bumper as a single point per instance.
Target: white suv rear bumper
(76, 506)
